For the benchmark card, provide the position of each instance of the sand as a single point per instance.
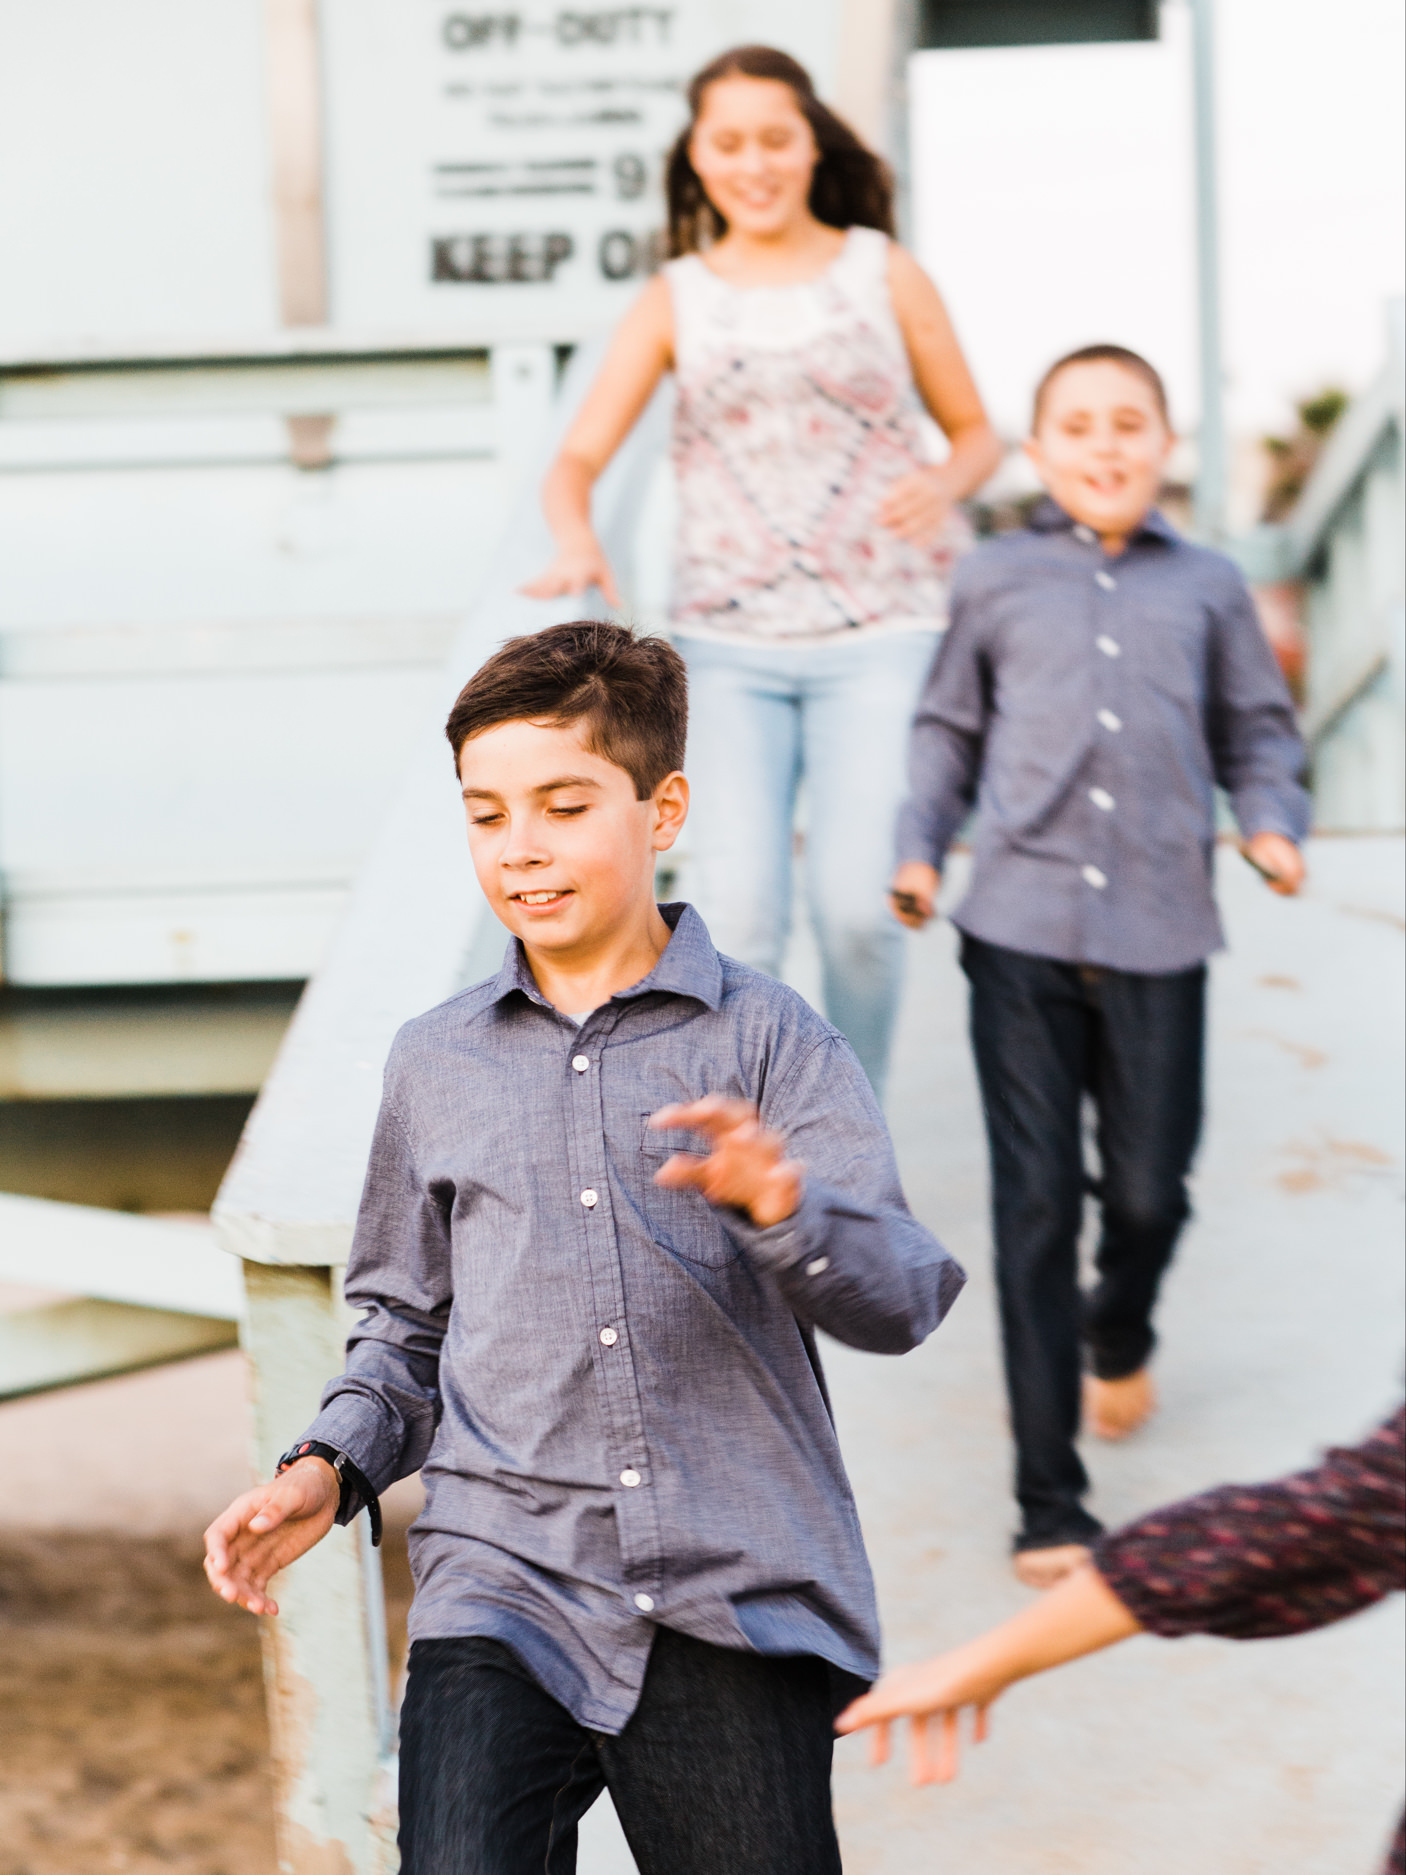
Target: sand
(132, 1725)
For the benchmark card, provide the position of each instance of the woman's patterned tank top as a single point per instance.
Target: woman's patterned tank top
(795, 411)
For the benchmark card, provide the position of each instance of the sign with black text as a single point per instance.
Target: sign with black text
(500, 170)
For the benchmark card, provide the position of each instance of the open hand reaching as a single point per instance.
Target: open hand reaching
(930, 1694)
(1078, 1617)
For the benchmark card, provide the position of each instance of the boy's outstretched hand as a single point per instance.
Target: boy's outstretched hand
(747, 1168)
(268, 1528)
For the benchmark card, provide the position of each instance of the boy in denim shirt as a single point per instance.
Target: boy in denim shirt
(1099, 678)
(613, 1193)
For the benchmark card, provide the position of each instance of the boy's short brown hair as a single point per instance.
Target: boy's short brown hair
(629, 692)
(1104, 355)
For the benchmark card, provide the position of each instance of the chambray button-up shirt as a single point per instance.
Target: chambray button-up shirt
(613, 1389)
(1089, 706)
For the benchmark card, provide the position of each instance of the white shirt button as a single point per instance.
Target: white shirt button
(629, 1478)
(817, 1266)
(1101, 798)
(1110, 721)
(608, 1337)
(580, 1063)
(1106, 580)
(645, 1604)
(590, 1198)
(1094, 877)
(1085, 534)
(1110, 647)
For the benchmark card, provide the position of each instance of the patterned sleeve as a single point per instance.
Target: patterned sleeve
(1250, 1561)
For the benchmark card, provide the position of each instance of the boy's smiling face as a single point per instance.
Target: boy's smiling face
(1101, 447)
(562, 848)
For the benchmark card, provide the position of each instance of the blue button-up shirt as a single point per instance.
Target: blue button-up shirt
(1089, 705)
(613, 1389)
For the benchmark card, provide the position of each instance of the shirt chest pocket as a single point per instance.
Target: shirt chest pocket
(1168, 646)
(682, 1221)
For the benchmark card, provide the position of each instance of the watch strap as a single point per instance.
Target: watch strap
(356, 1490)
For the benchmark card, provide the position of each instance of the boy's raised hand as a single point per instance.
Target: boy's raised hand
(747, 1168)
(268, 1528)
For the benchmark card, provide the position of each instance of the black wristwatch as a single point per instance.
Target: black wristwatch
(356, 1491)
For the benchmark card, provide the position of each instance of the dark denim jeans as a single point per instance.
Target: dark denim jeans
(724, 1769)
(1044, 1035)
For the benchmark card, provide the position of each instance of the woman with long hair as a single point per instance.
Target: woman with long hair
(814, 536)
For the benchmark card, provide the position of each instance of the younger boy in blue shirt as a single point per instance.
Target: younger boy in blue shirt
(1099, 678)
(613, 1193)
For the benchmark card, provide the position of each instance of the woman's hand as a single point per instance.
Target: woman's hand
(917, 507)
(578, 566)
(913, 893)
(268, 1528)
(639, 355)
(1078, 1617)
(927, 1690)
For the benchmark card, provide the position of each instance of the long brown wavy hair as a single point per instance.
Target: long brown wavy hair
(851, 187)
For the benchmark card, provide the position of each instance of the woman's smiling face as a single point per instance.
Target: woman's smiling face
(755, 153)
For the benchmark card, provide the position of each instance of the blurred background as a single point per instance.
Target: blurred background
(294, 295)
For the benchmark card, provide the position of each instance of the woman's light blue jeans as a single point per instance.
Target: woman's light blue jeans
(762, 718)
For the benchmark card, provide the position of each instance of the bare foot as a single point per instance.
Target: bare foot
(1042, 1568)
(1117, 1407)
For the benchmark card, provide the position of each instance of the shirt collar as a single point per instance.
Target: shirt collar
(687, 966)
(1047, 517)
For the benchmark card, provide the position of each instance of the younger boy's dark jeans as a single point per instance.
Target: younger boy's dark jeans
(1044, 1034)
(724, 1768)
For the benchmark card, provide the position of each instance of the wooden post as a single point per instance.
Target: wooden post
(325, 1654)
(295, 130)
(865, 76)
(325, 1666)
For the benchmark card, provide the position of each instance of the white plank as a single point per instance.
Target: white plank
(164, 1042)
(150, 1263)
(218, 646)
(70, 1342)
